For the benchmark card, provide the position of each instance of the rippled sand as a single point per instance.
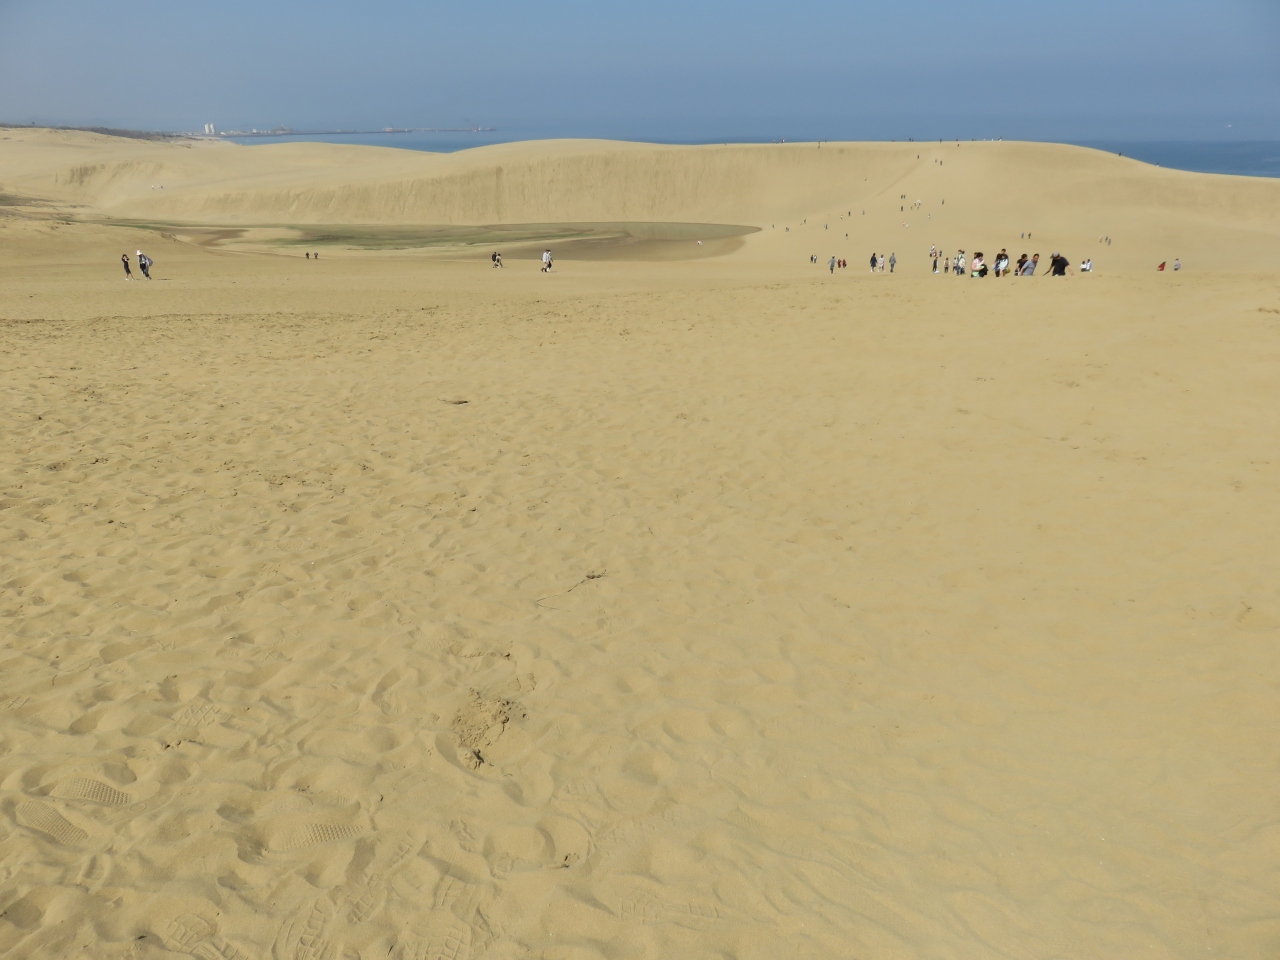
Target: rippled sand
(386, 607)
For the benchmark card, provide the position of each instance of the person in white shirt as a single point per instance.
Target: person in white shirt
(546, 261)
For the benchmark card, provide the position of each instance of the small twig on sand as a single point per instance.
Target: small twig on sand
(590, 576)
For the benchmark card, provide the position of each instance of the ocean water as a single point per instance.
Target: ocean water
(1259, 158)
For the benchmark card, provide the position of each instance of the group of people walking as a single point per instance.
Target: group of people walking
(977, 268)
(878, 262)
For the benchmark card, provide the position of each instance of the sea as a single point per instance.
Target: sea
(1255, 158)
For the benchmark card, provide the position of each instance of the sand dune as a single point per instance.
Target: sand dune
(972, 195)
(386, 606)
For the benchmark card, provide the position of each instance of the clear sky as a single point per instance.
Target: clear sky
(665, 69)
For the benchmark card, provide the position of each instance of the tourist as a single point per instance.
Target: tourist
(893, 261)
(124, 259)
(144, 264)
(1058, 266)
(1029, 268)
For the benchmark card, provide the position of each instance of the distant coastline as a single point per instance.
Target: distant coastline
(280, 132)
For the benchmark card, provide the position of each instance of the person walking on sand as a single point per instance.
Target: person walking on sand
(546, 261)
(1029, 268)
(880, 262)
(831, 265)
(1177, 265)
(873, 263)
(124, 259)
(1058, 266)
(144, 264)
(893, 261)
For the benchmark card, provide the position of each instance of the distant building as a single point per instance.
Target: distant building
(210, 129)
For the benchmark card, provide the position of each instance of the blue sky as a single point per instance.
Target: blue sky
(670, 70)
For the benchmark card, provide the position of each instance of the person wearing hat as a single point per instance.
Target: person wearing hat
(144, 264)
(1058, 266)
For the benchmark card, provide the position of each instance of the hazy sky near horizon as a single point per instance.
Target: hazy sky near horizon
(665, 70)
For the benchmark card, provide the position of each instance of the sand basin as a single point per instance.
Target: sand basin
(392, 605)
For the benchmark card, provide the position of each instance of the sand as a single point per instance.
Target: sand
(391, 605)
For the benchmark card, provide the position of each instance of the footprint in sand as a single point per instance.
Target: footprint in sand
(91, 791)
(311, 935)
(218, 949)
(460, 898)
(201, 714)
(184, 931)
(44, 819)
(437, 936)
(93, 873)
(367, 891)
(385, 696)
(646, 908)
(288, 837)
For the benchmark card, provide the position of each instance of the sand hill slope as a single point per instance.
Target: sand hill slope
(905, 195)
